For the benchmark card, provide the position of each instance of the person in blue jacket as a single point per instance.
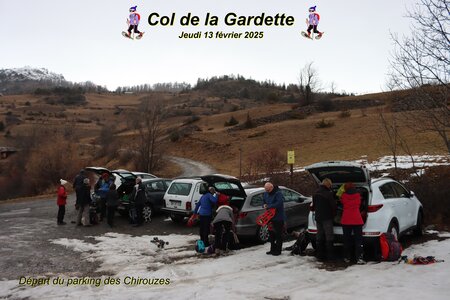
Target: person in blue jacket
(204, 208)
(273, 198)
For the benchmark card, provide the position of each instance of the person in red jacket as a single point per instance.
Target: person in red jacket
(352, 222)
(61, 202)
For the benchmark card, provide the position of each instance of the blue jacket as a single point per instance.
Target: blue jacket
(275, 199)
(204, 206)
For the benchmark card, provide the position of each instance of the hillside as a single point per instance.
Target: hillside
(103, 129)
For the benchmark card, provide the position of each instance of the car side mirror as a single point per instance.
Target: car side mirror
(411, 194)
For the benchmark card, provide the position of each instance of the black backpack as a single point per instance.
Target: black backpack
(300, 244)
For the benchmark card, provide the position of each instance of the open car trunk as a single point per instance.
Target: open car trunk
(341, 172)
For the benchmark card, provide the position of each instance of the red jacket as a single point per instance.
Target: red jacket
(350, 214)
(62, 195)
(223, 200)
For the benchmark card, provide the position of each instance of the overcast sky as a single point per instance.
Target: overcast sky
(82, 40)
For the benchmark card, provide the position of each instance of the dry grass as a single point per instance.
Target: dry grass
(350, 138)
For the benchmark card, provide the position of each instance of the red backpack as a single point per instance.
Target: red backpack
(391, 249)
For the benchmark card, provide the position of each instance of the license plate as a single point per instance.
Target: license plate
(175, 203)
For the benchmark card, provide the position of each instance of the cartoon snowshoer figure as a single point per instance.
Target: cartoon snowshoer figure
(133, 22)
(312, 21)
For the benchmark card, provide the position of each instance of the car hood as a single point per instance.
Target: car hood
(340, 172)
(226, 184)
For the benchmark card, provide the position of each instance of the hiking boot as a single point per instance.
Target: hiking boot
(269, 252)
(276, 253)
(360, 261)
(320, 34)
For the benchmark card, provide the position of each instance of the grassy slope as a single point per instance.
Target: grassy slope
(350, 138)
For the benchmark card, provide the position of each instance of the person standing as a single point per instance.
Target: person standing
(61, 202)
(352, 223)
(78, 183)
(138, 197)
(223, 221)
(273, 198)
(325, 209)
(83, 202)
(203, 208)
(101, 189)
(112, 201)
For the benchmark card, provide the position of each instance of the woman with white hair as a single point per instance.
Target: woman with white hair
(61, 202)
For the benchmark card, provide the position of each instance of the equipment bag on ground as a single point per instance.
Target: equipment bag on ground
(391, 249)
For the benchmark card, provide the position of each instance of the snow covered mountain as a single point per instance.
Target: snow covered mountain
(29, 73)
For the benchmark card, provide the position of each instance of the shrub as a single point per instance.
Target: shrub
(231, 122)
(191, 119)
(325, 105)
(174, 136)
(249, 122)
(345, 114)
(324, 124)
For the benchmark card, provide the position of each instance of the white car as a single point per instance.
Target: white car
(387, 206)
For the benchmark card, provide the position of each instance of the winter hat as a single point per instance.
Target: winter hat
(133, 8)
(312, 8)
(62, 181)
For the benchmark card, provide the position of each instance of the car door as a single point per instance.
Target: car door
(395, 203)
(155, 191)
(300, 208)
(409, 213)
(289, 207)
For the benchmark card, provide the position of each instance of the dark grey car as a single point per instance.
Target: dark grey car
(249, 202)
(296, 207)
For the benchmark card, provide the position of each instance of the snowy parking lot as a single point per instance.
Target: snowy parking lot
(135, 268)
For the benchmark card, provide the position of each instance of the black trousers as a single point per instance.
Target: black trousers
(222, 234)
(276, 237)
(111, 210)
(314, 27)
(102, 208)
(133, 27)
(61, 213)
(355, 243)
(139, 214)
(205, 223)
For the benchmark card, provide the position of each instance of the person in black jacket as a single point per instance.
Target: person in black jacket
(325, 209)
(78, 183)
(82, 203)
(138, 197)
(112, 201)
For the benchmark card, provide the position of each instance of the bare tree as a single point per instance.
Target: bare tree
(390, 135)
(421, 63)
(308, 83)
(150, 132)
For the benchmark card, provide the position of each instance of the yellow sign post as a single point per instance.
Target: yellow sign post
(291, 162)
(291, 157)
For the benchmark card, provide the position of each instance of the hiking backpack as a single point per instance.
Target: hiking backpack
(391, 249)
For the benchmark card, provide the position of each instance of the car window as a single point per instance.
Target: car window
(155, 186)
(289, 196)
(387, 191)
(180, 188)
(400, 191)
(167, 182)
(223, 186)
(257, 200)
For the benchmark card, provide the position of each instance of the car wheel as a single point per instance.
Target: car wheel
(262, 234)
(393, 228)
(147, 213)
(418, 231)
(176, 218)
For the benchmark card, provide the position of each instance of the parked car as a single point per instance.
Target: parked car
(183, 194)
(155, 189)
(387, 206)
